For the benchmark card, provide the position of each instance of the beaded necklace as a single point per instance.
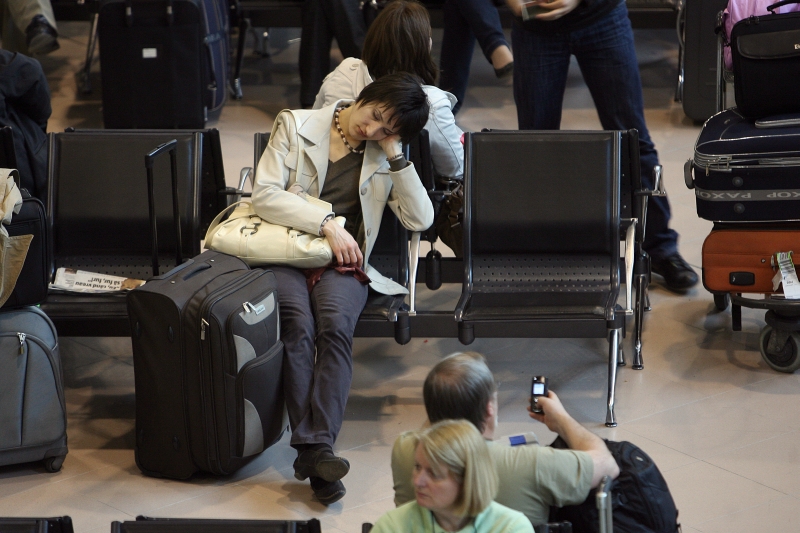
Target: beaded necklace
(339, 129)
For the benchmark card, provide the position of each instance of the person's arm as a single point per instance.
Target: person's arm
(408, 198)
(447, 152)
(556, 8)
(577, 437)
(270, 199)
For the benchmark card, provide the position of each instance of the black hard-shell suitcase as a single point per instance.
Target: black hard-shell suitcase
(144, 524)
(31, 286)
(164, 63)
(33, 415)
(699, 58)
(745, 173)
(207, 365)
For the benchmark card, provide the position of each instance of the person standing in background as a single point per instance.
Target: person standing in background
(599, 34)
(464, 22)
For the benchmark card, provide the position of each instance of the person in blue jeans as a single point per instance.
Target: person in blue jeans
(464, 22)
(599, 34)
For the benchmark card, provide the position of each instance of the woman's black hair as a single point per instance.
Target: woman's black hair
(402, 95)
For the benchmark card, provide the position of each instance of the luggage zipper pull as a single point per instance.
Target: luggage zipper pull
(203, 325)
(21, 342)
(257, 310)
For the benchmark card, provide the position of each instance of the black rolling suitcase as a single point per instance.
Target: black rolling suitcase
(207, 363)
(33, 415)
(144, 524)
(164, 63)
(33, 280)
(699, 58)
(745, 170)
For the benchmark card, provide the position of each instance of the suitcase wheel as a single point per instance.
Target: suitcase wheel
(53, 464)
(721, 301)
(784, 358)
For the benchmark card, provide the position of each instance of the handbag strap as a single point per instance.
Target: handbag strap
(776, 5)
(218, 220)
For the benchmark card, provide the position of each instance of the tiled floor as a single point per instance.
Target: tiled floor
(721, 425)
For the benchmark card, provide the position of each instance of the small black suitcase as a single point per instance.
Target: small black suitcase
(164, 63)
(31, 286)
(207, 364)
(745, 170)
(33, 414)
(766, 63)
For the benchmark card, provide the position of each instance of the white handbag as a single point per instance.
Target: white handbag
(258, 242)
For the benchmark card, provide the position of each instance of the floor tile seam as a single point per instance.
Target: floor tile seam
(201, 494)
(749, 444)
(675, 407)
(739, 511)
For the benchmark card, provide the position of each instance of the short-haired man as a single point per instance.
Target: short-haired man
(532, 478)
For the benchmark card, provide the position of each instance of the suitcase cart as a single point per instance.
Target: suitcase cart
(744, 177)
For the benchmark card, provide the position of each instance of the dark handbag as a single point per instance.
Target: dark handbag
(32, 284)
(766, 63)
(449, 220)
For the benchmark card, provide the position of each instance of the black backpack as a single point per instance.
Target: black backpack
(640, 498)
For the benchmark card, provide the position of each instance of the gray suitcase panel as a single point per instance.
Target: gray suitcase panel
(32, 408)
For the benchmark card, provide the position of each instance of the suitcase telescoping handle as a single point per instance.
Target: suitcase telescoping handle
(149, 161)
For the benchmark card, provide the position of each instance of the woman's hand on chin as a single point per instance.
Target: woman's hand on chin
(344, 246)
(391, 145)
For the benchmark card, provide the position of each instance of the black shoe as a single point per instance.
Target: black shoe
(677, 273)
(322, 464)
(327, 492)
(41, 37)
(504, 72)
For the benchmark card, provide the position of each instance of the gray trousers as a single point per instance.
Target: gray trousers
(317, 332)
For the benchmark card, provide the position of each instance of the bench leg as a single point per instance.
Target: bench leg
(236, 81)
(613, 348)
(641, 289)
(86, 82)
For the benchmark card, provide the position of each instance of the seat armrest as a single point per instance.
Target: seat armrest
(413, 264)
(630, 237)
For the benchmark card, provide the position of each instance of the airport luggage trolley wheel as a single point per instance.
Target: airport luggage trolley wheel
(721, 301)
(783, 353)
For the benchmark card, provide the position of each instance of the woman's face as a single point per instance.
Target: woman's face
(436, 490)
(371, 122)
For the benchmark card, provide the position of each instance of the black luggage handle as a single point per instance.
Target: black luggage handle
(776, 5)
(149, 161)
(129, 13)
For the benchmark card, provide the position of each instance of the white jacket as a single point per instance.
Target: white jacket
(447, 152)
(277, 171)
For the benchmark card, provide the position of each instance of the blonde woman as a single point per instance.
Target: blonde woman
(455, 483)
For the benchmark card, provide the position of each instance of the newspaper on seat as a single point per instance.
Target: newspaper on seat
(72, 280)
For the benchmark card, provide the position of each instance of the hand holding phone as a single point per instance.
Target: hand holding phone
(538, 388)
(531, 9)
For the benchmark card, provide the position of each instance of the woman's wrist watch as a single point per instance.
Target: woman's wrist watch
(395, 157)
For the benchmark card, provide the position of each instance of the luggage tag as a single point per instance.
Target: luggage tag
(786, 275)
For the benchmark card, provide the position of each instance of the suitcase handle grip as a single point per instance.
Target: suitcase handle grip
(776, 5)
(149, 162)
(196, 270)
